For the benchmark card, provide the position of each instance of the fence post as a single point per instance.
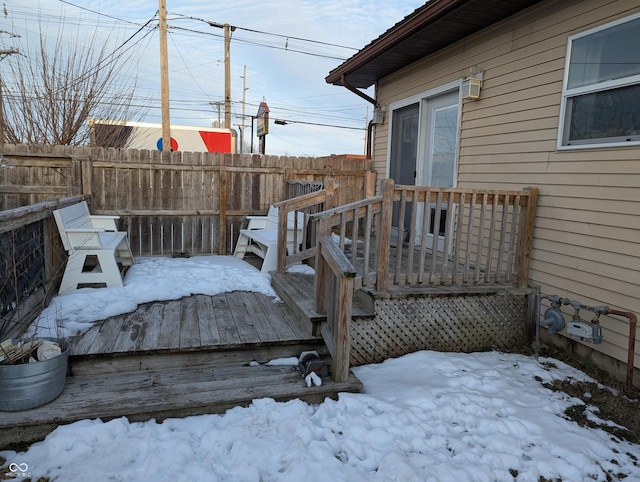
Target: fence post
(526, 237)
(369, 184)
(86, 166)
(222, 209)
(330, 186)
(384, 234)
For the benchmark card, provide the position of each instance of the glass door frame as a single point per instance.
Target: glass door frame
(423, 143)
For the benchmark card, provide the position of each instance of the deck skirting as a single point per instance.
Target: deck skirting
(445, 319)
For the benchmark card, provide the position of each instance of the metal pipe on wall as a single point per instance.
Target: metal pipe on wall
(633, 320)
(553, 323)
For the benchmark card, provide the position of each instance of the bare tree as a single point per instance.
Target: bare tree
(50, 91)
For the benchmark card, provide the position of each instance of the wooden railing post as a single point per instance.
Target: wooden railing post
(281, 242)
(320, 282)
(342, 310)
(526, 237)
(384, 234)
(333, 268)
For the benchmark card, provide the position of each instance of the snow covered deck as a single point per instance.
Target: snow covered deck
(181, 357)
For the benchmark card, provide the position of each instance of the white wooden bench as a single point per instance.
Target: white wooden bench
(94, 245)
(261, 237)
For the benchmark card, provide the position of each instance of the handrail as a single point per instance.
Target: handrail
(322, 199)
(334, 272)
(359, 213)
(31, 245)
(448, 235)
(16, 217)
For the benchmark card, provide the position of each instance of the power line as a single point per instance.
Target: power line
(260, 44)
(96, 12)
(143, 103)
(284, 122)
(210, 22)
(286, 47)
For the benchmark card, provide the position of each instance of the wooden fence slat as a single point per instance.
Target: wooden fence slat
(171, 187)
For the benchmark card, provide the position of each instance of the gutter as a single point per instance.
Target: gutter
(418, 20)
(359, 93)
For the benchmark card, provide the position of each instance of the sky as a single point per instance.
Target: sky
(287, 46)
(425, 416)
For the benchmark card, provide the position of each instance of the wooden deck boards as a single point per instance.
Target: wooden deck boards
(298, 290)
(193, 323)
(162, 392)
(179, 358)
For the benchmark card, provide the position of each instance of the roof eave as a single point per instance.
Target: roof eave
(415, 22)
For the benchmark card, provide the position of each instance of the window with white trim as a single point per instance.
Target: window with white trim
(601, 91)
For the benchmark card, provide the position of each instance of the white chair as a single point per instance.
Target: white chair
(94, 245)
(261, 237)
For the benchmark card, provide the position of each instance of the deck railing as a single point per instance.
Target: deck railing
(408, 235)
(333, 297)
(32, 261)
(427, 235)
(454, 236)
(307, 205)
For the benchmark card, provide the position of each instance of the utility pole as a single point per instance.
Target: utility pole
(164, 76)
(216, 104)
(227, 75)
(244, 90)
(3, 54)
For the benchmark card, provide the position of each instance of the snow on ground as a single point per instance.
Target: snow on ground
(426, 416)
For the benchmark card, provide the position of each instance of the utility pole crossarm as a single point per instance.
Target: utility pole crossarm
(5, 52)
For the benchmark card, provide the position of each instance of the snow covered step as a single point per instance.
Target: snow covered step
(164, 391)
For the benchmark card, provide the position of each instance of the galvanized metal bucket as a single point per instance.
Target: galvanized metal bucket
(29, 385)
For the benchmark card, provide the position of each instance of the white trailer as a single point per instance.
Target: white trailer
(145, 135)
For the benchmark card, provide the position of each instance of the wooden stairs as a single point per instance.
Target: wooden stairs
(176, 382)
(297, 291)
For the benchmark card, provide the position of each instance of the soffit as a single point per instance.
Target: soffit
(428, 29)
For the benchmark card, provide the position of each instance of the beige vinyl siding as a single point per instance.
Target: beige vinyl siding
(587, 234)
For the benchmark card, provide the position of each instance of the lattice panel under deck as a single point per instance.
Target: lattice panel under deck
(457, 323)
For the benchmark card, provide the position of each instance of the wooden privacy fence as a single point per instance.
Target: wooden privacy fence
(175, 202)
(426, 235)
